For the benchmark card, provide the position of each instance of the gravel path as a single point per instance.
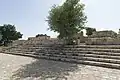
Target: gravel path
(23, 68)
(10, 63)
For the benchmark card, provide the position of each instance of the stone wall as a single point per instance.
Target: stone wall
(104, 38)
(103, 41)
(99, 34)
(39, 38)
(43, 40)
(18, 42)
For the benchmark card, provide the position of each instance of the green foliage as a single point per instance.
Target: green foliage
(9, 34)
(89, 31)
(119, 31)
(68, 19)
(38, 35)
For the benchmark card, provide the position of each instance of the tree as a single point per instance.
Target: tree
(119, 31)
(68, 19)
(39, 35)
(9, 34)
(89, 31)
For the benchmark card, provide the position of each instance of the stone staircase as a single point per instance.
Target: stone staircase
(96, 55)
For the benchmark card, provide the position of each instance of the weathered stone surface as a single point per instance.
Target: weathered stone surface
(103, 38)
(103, 41)
(100, 34)
(50, 49)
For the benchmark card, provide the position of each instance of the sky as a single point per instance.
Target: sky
(29, 15)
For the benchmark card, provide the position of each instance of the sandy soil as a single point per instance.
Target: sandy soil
(10, 63)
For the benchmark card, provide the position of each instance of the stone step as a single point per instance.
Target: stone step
(47, 50)
(94, 46)
(30, 48)
(72, 60)
(42, 48)
(76, 49)
(80, 52)
(105, 60)
(92, 52)
(92, 63)
(100, 47)
(88, 55)
(114, 61)
(69, 52)
(80, 48)
(39, 45)
(18, 52)
(99, 56)
(30, 52)
(17, 49)
(93, 49)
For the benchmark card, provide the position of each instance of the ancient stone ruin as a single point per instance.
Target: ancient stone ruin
(44, 47)
(104, 38)
(38, 40)
(107, 37)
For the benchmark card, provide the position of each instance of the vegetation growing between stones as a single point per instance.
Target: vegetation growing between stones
(89, 31)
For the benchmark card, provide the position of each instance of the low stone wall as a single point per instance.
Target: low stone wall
(39, 38)
(106, 33)
(103, 41)
(44, 42)
(18, 42)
